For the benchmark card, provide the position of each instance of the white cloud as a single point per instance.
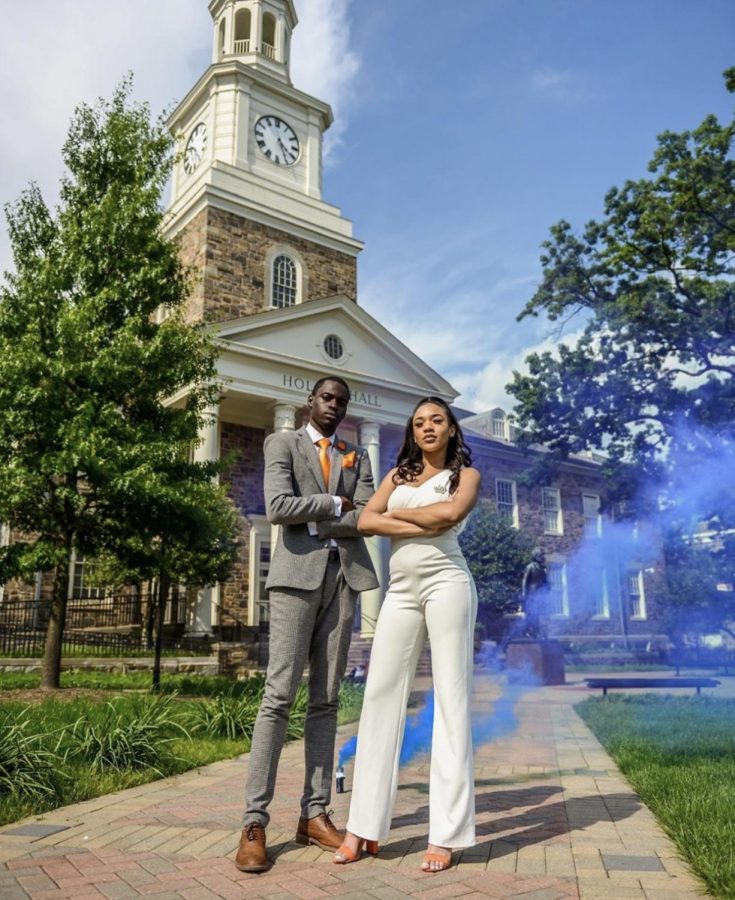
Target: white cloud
(322, 62)
(68, 51)
(426, 293)
(559, 84)
(485, 388)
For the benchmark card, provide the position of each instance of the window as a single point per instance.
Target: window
(551, 502)
(82, 580)
(268, 47)
(260, 560)
(602, 600)
(498, 425)
(285, 282)
(591, 513)
(636, 595)
(506, 500)
(333, 347)
(242, 31)
(558, 593)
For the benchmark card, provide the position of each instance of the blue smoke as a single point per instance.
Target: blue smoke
(499, 722)
(348, 750)
(417, 736)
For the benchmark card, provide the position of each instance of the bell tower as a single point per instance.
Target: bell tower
(246, 192)
(256, 31)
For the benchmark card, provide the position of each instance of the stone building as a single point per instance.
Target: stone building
(276, 278)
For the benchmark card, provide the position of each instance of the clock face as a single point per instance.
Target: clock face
(277, 140)
(195, 146)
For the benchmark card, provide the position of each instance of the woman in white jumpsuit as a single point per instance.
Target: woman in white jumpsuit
(421, 505)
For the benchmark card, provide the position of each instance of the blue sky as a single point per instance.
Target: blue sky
(464, 131)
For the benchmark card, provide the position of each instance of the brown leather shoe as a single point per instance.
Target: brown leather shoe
(251, 855)
(319, 831)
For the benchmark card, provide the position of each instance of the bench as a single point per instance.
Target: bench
(625, 683)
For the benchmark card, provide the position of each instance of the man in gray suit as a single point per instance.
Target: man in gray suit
(315, 487)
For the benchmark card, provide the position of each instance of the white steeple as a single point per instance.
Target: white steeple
(257, 32)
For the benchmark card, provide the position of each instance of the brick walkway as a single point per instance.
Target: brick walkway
(555, 819)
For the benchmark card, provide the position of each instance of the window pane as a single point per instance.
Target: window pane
(284, 282)
(505, 502)
(551, 502)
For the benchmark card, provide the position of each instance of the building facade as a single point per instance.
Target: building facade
(275, 270)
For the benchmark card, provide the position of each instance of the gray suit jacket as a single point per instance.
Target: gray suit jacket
(295, 495)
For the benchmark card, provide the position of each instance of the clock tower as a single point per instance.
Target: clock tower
(246, 196)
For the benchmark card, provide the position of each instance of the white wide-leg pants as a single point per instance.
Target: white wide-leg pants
(445, 607)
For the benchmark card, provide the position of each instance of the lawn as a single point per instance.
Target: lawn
(678, 753)
(66, 748)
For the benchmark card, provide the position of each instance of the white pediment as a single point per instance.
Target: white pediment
(291, 343)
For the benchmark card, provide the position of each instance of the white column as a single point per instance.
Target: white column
(256, 27)
(370, 600)
(202, 612)
(284, 419)
(313, 152)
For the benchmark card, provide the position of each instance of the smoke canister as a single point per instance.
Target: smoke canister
(340, 780)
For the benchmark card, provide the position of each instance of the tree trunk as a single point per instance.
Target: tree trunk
(51, 666)
(164, 584)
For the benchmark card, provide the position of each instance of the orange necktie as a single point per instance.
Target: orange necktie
(324, 462)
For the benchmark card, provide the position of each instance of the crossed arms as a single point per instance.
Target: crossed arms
(284, 506)
(422, 521)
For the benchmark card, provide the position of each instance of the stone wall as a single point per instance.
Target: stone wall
(227, 254)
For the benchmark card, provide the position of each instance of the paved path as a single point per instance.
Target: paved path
(555, 819)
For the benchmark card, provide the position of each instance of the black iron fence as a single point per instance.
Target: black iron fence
(116, 624)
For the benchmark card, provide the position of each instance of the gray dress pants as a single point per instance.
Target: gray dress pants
(305, 626)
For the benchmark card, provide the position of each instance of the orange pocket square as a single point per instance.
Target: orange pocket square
(348, 460)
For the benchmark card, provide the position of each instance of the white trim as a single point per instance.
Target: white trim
(592, 523)
(602, 602)
(560, 563)
(260, 537)
(640, 595)
(556, 492)
(301, 280)
(514, 518)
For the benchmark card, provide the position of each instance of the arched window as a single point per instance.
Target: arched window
(268, 47)
(221, 38)
(242, 31)
(498, 426)
(285, 282)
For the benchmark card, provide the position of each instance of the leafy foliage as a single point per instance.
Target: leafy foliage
(129, 741)
(696, 605)
(27, 768)
(118, 740)
(94, 458)
(654, 284)
(496, 553)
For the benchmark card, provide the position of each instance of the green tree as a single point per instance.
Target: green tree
(496, 553)
(697, 579)
(188, 536)
(651, 379)
(88, 436)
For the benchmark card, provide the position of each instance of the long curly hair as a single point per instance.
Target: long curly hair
(410, 458)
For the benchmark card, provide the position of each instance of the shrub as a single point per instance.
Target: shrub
(27, 768)
(138, 738)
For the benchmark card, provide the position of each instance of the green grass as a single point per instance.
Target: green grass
(190, 685)
(678, 753)
(60, 751)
